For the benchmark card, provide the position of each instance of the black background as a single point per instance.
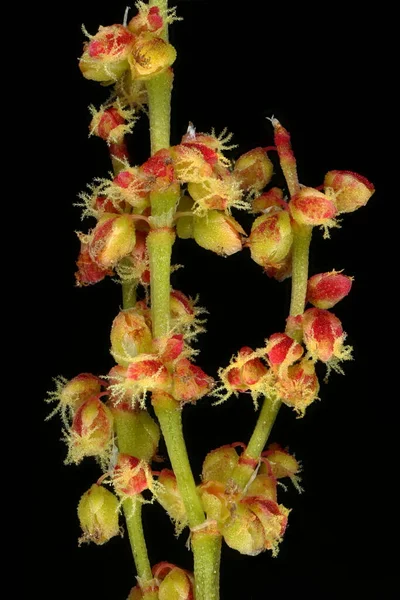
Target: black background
(324, 74)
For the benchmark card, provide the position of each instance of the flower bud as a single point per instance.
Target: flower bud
(244, 532)
(79, 389)
(132, 186)
(146, 373)
(130, 336)
(215, 502)
(98, 515)
(151, 56)
(193, 162)
(91, 431)
(253, 169)
(218, 232)
(189, 382)
(351, 190)
(182, 309)
(271, 238)
(248, 371)
(311, 207)
(219, 464)
(169, 347)
(327, 289)
(264, 485)
(160, 166)
(112, 239)
(273, 518)
(89, 272)
(323, 335)
(106, 124)
(176, 585)
(131, 476)
(282, 464)
(148, 19)
(105, 57)
(169, 496)
(269, 202)
(298, 387)
(282, 351)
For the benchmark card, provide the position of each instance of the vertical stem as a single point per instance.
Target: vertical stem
(129, 294)
(206, 543)
(301, 246)
(159, 94)
(133, 515)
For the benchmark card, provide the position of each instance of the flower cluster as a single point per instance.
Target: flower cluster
(249, 519)
(284, 368)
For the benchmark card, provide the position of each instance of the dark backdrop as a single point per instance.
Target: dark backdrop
(323, 73)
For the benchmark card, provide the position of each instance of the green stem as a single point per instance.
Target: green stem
(300, 252)
(129, 294)
(206, 545)
(270, 408)
(256, 445)
(133, 515)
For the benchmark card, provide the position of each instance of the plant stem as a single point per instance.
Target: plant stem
(133, 515)
(260, 435)
(270, 408)
(206, 545)
(129, 294)
(300, 250)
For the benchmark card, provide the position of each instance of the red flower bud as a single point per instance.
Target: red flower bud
(148, 19)
(112, 239)
(282, 351)
(106, 124)
(327, 289)
(189, 382)
(324, 336)
(160, 166)
(311, 207)
(253, 169)
(270, 201)
(170, 347)
(132, 186)
(298, 387)
(248, 372)
(71, 394)
(131, 476)
(89, 272)
(148, 371)
(271, 239)
(91, 431)
(351, 190)
(105, 57)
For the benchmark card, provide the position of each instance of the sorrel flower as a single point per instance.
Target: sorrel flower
(327, 289)
(98, 515)
(351, 190)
